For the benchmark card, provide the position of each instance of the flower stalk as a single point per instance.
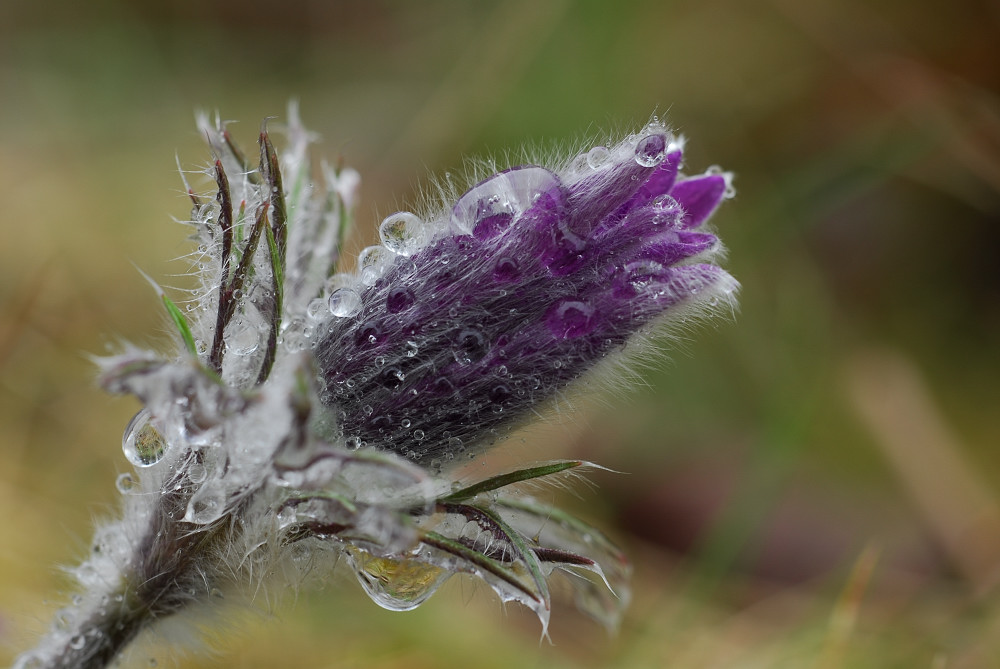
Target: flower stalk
(309, 416)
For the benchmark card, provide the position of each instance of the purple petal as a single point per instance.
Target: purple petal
(699, 197)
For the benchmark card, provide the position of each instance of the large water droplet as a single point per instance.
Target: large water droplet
(651, 149)
(403, 233)
(399, 298)
(142, 443)
(317, 309)
(345, 302)
(598, 157)
(397, 584)
(490, 207)
(243, 339)
(372, 263)
(569, 319)
(206, 505)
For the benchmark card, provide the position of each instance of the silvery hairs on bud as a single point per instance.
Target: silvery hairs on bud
(310, 417)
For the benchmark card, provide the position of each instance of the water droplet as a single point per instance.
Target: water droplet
(499, 394)
(666, 202)
(405, 423)
(506, 270)
(411, 349)
(399, 298)
(470, 346)
(197, 473)
(598, 157)
(125, 483)
(403, 233)
(418, 435)
(490, 207)
(651, 149)
(372, 263)
(206, 505)
(397, 584)
(353, 443)
(243, 340)
(392, 377)
(369, 332)
(317, 309)
(643, 273)
(345, 302)
(569, 319)
(142, 443)
(78, 642)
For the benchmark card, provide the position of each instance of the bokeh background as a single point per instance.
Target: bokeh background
(812, 484)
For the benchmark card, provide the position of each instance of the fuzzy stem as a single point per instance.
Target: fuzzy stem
(156, 582)
(98, 638)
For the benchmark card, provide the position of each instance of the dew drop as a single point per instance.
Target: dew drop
(345, 302)
(206, 505)
(317, 309)
(470, 346)
(598, 157)
(372, 263)
(499, 394)
(405, 423)
(666, 202)
(243, 340)
(397, 584)
(569, 319)
(399, 298)
(197, 473)
(506, 270)
(392, 378)
(490, 207)
(411, 349)
(418, 435)
(369, 332)
(403, 233)
(651, 149)
(142, 443)
(125, 483)
(78, 642)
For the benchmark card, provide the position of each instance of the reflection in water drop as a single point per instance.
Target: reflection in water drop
(397, 584)
(142, 443)
(345, 302)
(403, 233)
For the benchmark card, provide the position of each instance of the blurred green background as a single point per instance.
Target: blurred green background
(814, 484)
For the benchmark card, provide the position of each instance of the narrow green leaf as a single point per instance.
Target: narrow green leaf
(527, 554)
(178, 318)
(503, 480)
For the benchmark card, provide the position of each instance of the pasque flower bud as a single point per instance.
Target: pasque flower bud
(308, 417)
(466, 319)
